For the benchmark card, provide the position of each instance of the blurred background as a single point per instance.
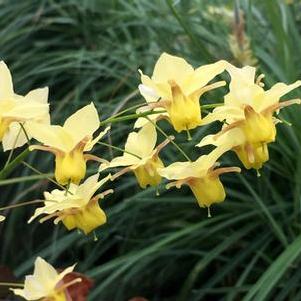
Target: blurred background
(160, 248)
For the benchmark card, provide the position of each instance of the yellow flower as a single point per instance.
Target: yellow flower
(76, 208)
(45, 283)
(201, 176)
(176, 86)
(69, 143)
(2, 218)
(140, 156)
(248, 115)
(16, 109)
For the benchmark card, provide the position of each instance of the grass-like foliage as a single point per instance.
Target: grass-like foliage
(161, 248)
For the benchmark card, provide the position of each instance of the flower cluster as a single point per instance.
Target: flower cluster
(248, 116)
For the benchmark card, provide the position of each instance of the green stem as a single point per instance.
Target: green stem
(119, 149)
(25, 133)
(171, 141)
(12, 150)
(21, 204)
(40, 173)
(129, 117)
(211, 106)
(13, 164)
(11, 284)
(24, 179)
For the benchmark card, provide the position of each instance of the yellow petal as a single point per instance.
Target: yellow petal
(243, 89)
(82, 123)
(90, 186)
(228, 139)
(202, 76)
(38, 95)
(51, 135)
(65, 272)
(273, 95)
(169, 67)
(149, 94)
(162, 89)
(125, 160)
(43, 282)
(91, 143)
(142, 143)
(14, 137)
(6, 84)
(2, 218)
(228, 113)
(179, 170)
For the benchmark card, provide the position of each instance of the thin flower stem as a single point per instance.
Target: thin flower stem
(11, 284)
(211, 106)
(12, 150)
(129, 117)
(25, 133)
(40, 173)
(119, 149)
(171, 140)
(13, 164)
(127, 110)
(189, 138)
(67, 187)
(21, 204)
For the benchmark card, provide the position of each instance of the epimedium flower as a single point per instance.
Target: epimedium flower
(249, 118)
(69, 143)
(46, 283)
(141, 156)
(177, 87)
(202, 177)
(76, 207)
(17, 109)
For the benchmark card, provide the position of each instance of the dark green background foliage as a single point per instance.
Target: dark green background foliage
(162, 248)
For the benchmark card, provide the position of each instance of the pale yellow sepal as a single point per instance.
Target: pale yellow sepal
(2, 218)
(140, 156)
(200, 176)
(248, 115)
(17, 109)
(45, 283)
(76, 208)
(176, 87)
(69, 142)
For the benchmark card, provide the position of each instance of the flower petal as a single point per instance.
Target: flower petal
(51, 135)
(142, 143)
(82, 123)
(170, 67)
(6, 83)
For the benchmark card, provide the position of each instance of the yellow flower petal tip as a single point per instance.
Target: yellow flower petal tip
(46, 283)
(179, 86)
(2, 218)
(17, 109)
(141, 156)
(69, 143)
(77, 207)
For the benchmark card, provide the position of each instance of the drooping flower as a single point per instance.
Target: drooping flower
(2, 218)
(201, 176)
(141, 156)
(69, 143)
(46, 283)
(16, 109)
(177, 87)
(75, 207)
(248, 115)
